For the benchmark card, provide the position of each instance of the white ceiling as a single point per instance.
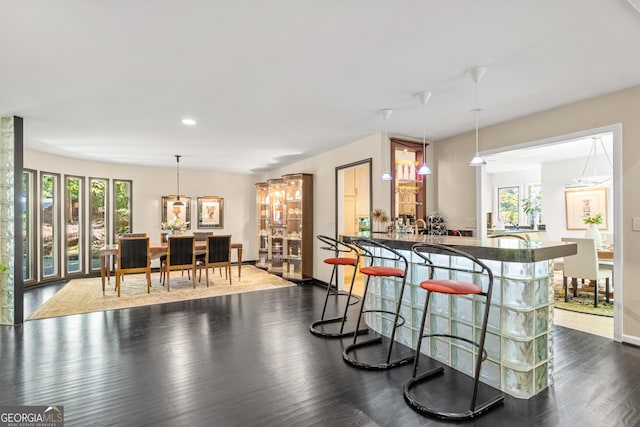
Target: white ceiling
(270, 82)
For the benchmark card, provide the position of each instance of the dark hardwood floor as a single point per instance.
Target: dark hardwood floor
(249, 360)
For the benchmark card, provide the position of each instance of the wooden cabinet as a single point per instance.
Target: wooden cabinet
(285, 225)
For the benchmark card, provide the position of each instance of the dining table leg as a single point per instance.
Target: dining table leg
(239, 263)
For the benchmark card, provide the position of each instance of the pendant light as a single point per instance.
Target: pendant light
(178, 202)
(424, 97)
(386, 176)
(594, 179)
(476, 75)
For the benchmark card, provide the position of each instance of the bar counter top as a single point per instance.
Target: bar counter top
(509, 250)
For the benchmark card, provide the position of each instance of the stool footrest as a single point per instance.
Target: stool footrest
(401, 319)
(474, 412)
(467, 340)
(317, 332)
(371, 366)
(355, 298)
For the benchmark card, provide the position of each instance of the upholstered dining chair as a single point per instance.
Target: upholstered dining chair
(584, 265)
(218, 255)
(133, 235)
(133, 257)
(164, 238)
(201, 236)
(181, 255)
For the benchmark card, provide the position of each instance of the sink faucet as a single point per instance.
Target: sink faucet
(513, 225)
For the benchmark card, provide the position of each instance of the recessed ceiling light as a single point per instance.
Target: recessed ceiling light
(188, 122)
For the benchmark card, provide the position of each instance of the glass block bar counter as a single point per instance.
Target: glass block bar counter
(519, 339)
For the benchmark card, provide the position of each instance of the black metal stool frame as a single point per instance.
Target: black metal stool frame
(475, 409)
(338, 248)
(395, 256)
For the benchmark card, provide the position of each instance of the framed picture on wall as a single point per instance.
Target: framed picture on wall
(210, 212)
(171, 210)
(583, 202)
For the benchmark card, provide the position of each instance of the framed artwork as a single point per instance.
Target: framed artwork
(210, 212)
(583, 202)
(171, 211)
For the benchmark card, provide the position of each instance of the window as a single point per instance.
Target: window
(98, 192)
(28, 232)
(121, 207)
(49, 225)
(73, 220)
(509, 205)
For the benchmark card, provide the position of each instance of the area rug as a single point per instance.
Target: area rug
(583, 303)
(85, 295)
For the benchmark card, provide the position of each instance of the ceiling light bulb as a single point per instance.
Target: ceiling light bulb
(188, 122)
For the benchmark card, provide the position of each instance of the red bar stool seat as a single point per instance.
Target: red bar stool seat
(465, 264)
(346, 256)
(379, 255)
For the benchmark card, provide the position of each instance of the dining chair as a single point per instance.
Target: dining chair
(218, 255)
(133, 257)
(584, 265)
(201, 236)
(181, 255)
(164, 238)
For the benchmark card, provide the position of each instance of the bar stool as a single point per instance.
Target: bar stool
(340, 250)
(377, 268)
(465, 264)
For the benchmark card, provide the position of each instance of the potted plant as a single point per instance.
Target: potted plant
(593, 232)
(532, 208)
(380, 217)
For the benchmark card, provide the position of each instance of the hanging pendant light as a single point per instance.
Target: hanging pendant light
(424, 97)
(594, 179)
(476, 75)
(178, 202)
(386, 176)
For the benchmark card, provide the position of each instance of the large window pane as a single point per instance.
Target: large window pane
(98, 191)
(122, 207)
(28, 232)
(74, 190)
(49, 214)
(509, 205)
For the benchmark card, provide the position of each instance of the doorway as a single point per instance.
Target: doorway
(354, 196)
(555, 179)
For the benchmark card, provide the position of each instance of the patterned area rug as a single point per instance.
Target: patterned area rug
(583, 303)
(85, 295)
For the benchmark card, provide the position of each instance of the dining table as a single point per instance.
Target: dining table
(155, 250)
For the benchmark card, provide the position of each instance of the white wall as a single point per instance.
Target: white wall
(150, 184)
(555, 176)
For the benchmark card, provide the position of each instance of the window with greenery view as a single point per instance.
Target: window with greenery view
(509, 205)
(73, 203)
(122, 207)
(98, 192)
(49, 231)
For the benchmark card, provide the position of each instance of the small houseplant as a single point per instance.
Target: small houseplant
(593, 219)
(532, 208)
(592, 232)
(380, 216)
